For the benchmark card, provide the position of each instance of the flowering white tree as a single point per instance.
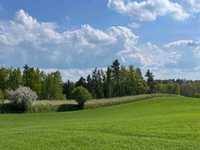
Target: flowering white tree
(22, 97)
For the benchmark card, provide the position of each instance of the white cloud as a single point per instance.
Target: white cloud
(194, 5)
(25, 40)
(70, 74)
(181, 43)
(187, 52)
(149, 10)
(134, 25)
(174, 73)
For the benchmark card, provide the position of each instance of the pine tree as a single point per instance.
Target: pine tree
(81, 82)
(68, 88)
(150, 81)
(116, 77)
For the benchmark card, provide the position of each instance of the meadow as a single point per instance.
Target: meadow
(159, 123)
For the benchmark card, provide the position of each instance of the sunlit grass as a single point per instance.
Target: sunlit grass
(162, 123)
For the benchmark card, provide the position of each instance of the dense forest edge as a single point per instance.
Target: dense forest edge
(114, 81)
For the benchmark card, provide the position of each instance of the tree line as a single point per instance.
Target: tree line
(114, 81)
(47, 86)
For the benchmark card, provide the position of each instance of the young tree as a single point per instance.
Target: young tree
(81, 95)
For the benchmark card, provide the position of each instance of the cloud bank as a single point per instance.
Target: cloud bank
(149, 10)
(25, 40)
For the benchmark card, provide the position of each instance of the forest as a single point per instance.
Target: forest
(116, 81)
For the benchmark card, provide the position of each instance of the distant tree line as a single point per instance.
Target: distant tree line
(47, 86)
(190, 88)
(114, 81)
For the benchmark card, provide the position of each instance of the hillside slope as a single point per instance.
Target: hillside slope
(165, 123)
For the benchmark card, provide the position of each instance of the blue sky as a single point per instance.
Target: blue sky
(76, 36)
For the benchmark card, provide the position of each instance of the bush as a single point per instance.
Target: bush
(22, 98)
(81, 95)
(42, 108)
(197, 95)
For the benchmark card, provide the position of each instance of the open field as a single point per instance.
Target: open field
(161, 123)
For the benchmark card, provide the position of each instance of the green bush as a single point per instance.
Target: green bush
(197, 95)
(81, 95)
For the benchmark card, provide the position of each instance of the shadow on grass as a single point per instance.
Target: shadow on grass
(68, 107)
(10, 108)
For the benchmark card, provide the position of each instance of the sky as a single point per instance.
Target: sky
(76, 36)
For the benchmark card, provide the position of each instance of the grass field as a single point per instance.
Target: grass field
(161, 123)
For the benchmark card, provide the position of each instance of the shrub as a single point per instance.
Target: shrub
(22, 98)
(41, 108)
(197, 95)
(81, 95)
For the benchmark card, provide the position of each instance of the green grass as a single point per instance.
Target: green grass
(161, 123)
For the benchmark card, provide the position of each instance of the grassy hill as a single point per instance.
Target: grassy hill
(161, 123)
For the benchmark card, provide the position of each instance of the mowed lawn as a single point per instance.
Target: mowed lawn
(166, 123)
